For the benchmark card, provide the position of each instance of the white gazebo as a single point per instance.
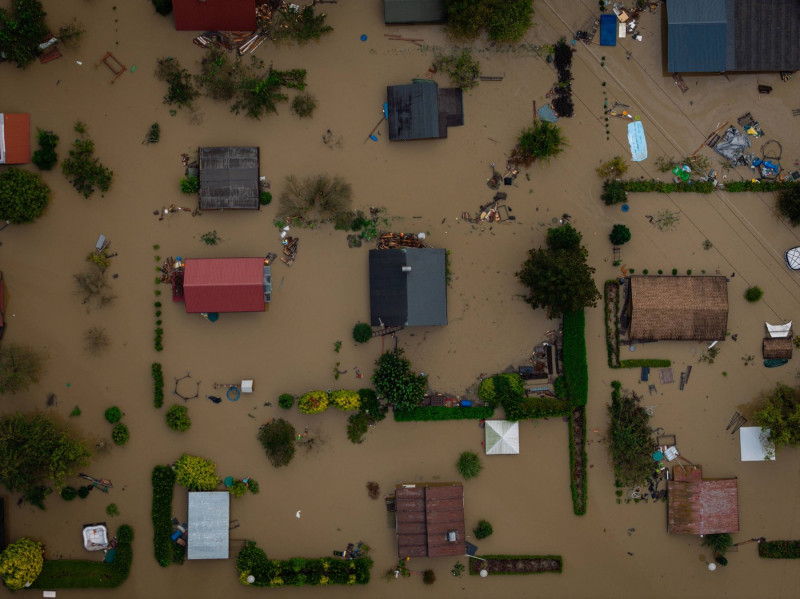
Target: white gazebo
(502, 437)
(755, 445)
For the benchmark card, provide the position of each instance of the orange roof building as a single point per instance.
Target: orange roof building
(15, 138)
(430, 520)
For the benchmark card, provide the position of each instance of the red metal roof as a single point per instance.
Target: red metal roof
(224, 285)
(214, 15)
(702, 506)
(425, 514)
(16, 142)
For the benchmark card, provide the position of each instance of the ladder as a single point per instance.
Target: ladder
(382, 332)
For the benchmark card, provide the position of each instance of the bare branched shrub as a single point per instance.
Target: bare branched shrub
(96, 341)
(331, 196)
(93, 288)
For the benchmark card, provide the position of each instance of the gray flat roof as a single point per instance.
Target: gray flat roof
(229, 178)
(209, 525)
(414, 11)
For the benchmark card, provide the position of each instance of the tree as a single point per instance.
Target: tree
(36, 448)
(362, 332)
(21, 31)
(632, 443)
(20, 365)
(620, 235)
(195, 473)
(719, 543)
(180, 91)
(789, 204)
(753, 294)
(82, 168)
(780, 413)
(469, 464)
(614, 193)
(23, 196)
(178, 418)
(542, 141)
(558, 278)
(616, 167)
(277, 438)
(395, 381)
(483, 530)
(565, 237)
(505, 20)
(163, 7)
(464, 71)
(45, 157)
(21, 563)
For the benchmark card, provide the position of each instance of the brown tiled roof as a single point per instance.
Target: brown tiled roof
(425, 514)
(698, 506)
(678, 308)
(778, 347)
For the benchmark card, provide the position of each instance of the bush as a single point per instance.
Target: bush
(577, 463)
(779, 549)
(753, 294)
(640, 363)
(45, 157)
(437, 413)
(429, 577)
(277, 438)
(347, 401)
(83, 492)
(163, 7)
(371, 405)
(313, 402)
(163, 480)
(464, 71)
(158, 384)
(238, 489)
(23, 29)
(638, 186)
(286, 401)
(125, 534)
(120, 434)
(264, 198)
(180, 91)
(614, 193)
(506, 21)
(69, 493)
(522, 408)
(631, 438)
(362, 332)
(178, 418)
(620, 235)
(719, 543)
(303, 105)
(357, 427)
(469, 465)
(20, 563)
(252, 486)
(789, 203)
(113, 414)
(395, 381)
(483, 530)
(23, 196)
(542, 141)
(82, 169)
(560, 387)
(576, 368)
(194, 473)
(615, 168)
(190, 184)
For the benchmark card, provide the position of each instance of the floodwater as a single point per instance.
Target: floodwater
(613, 550)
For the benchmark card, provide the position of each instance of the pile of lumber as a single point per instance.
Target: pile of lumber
(388, 241)
(241, 41)
(289, 250)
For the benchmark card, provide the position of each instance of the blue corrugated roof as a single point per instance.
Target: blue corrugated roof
(697, 36)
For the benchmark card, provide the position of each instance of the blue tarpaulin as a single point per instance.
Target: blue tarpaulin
(546, 113)
(608, 30)
(637, 141)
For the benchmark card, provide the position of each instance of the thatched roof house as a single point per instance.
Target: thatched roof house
(777, 347)
(430, 520)
(678, 308)
(229, 178)
(698, 506)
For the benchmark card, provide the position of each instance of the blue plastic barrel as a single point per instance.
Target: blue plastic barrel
(373, 138)
(466, 403)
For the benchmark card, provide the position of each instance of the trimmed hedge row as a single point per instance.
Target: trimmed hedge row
(522, 408)
(779, 549)
(163, 480)
(748, 185)
(651, 363)
(637, 186)
(158, 385)
(579, 494)
(476, 566)
(299, 571)
(86, 574)
(576, 369)
(430, 413)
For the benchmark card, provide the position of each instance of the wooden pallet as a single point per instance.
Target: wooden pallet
(676, 77)
(114, 65)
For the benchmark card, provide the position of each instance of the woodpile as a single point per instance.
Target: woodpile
(388, 241)
(241, 41)
(289, 250)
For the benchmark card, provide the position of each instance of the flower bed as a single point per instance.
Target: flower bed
(611, 293)
(516, 564)
(779, 549)
(577, 460)
(430, 413)
(88, 574)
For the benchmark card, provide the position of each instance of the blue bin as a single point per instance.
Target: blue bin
(466, 403)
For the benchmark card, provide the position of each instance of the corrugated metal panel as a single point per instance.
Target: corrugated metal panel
(224, 285)
(209, 525)
(229, 178)
(427, 287)
(396, 12)
(215, 15)
(697, 36)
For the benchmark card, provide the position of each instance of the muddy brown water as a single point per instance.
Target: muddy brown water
(317, 301)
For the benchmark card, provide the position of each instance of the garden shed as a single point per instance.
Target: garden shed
(754, 444)
(501, 437)
(229, 178)
(15, 138)
(430, 520)
(225, 285)
(400, 12)
(677, 308)
(209, 525)
(700, 506)
(408, 287)
(717, 36)
(423, 111)
(214, 15)
(780, 347)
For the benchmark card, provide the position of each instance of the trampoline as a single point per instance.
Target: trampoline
(187, 387)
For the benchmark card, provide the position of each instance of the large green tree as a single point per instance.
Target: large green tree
(36, 448)
(789, 204)
(395, 381)
(277, 437)
(20, 366)
(541, 141)
(23, 196)
(504, 20)
(780, 413)
(22, 29)
(21, 563)
(557, 277)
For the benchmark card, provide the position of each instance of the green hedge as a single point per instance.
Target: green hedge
(576, 369)
(476, 566)
(299, 571)
(158, 385)
(89, 574)
(779, 549)
(637, 186)
(612, 337)
(579, 495)
(522, 408)
(163, 480)
(428, 413)
(495, 390)
(748, 185)
(651, 363)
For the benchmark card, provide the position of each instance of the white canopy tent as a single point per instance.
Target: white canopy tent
(779, 330)
(502, 437)
(755, 445)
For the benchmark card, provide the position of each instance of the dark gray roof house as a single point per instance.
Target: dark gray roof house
(229, 178)
(398, 12)
(423, 111)
(407, 287)
(717, 36)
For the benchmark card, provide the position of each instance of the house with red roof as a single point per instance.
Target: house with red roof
(214, 15)
(15, 138)
(209, 285)
(701, 506)
(430, 520)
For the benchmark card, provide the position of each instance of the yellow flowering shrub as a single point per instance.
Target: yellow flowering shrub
(195, 473)
(313, 402)
(347, 401)
(21, 563)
